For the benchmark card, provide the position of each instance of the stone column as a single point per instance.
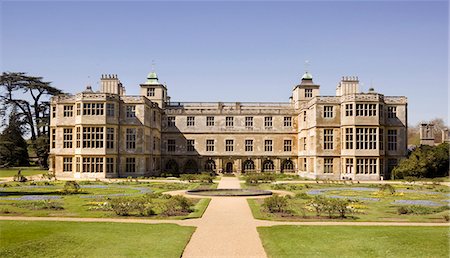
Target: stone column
(258, 165)
(277, 165)
(219, 165)
(239, 165)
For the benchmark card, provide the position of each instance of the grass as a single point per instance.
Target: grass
(199, 209)
(26, 171)
(382, 209)
(355, 241)
(89, 239)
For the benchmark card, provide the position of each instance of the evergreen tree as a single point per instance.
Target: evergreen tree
(13, 147)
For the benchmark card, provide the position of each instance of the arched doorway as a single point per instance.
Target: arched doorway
(190, 167)
(288, 166)
(210, 166)
(248, 166)
(268, 166)
(172, 167)
(229, 167)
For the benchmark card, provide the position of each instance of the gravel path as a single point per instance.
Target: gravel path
(227, 229)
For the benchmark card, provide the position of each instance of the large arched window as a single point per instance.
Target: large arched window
(288, 166)
(248, 166)
(268, 165)
(172, 167)
(210, 165)
(190, 166)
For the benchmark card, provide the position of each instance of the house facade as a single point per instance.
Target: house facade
(107, 134)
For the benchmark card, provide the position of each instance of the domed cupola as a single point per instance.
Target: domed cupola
(307, 76)
(152, 78)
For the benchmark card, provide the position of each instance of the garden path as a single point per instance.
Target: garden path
(227, 228)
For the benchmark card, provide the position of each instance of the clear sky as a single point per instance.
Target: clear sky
(236, 51)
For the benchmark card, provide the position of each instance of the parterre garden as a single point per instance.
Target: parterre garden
(352, 202)
(100, 199)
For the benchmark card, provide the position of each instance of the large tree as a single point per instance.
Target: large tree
(13, 147)
(29, 95)
(425, 162)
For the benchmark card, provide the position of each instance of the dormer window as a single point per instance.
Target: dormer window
(150, 92)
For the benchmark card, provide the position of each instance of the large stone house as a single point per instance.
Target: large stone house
(105, 134)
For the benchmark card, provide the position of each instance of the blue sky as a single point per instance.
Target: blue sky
(235, 51)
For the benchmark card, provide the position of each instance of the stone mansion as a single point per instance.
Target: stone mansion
(107, 134)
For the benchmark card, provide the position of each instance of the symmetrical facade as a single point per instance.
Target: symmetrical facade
(352, 135)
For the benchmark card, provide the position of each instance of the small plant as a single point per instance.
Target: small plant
(387, 188)
(19, 177)
(122, 206)
(420, 209)
(276, 204)
(205, 178)
(446, 217)
(40, 205)
(258, 178)
(48, 176)
(71, 187)
(5, 211)
(303, 196)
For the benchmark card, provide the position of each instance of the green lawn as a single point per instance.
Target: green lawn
(89, 239)
(355, 241)
(26, 171)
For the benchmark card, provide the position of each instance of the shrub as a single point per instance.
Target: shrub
(388, 188)
(276, 204)
(258, 178)
(446, 217)
(202, 178)
(420, 209)
(122, 206)
(48, 176)
(71, 187)
(177, 205)
(40, 205)
(279, 187)
(303, 196)
(410, 179)
(330, 205)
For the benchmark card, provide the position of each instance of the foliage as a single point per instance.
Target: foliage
(32, 110)
(387, 188)
(40, 205)
(71, 187)
(276, 204)
(151, 204)
(330, 205)
(13, 147)
(202, 178)
(122, 206)
(425, 162)
(420, 209)
(258, 178)
(177, 205)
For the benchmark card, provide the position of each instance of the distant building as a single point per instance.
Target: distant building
(106, 134)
